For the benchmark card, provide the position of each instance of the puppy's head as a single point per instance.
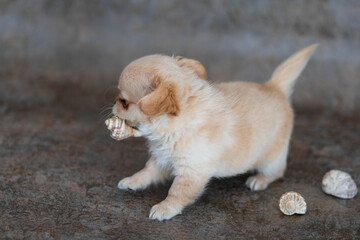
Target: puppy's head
(155, 86)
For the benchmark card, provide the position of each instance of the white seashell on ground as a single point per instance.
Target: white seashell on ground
(291, 203)
(339, 184)
(119, 129)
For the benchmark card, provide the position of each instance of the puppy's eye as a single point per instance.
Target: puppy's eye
(124, 102)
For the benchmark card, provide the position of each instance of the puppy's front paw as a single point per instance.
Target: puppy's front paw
(129, 183)
(257, 182)
(164, 211)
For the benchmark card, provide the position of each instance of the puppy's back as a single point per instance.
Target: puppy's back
(261, 114)
(249, 100)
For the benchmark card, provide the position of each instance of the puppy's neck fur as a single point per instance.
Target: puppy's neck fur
(200, 95)
(166, 134)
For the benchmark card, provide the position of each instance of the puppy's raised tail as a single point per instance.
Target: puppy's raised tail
(285, 75)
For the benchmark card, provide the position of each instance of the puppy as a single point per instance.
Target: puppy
(198, 130)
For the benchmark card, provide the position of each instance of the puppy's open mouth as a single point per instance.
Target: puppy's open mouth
(131, 125)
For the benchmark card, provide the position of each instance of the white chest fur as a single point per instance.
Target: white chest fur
(162, 146)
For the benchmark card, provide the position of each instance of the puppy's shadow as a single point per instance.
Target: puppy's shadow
(216, 187)
(222, 188)
(217, 190)
(154, 193)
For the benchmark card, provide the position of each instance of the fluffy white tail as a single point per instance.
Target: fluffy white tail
(285, 75)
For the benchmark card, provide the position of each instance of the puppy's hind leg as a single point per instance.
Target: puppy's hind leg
(270, 169)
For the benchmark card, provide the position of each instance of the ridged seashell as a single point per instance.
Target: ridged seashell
(339, 184)
(291, 203)
(119, 129)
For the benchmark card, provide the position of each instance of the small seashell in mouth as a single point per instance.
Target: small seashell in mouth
(119, 130)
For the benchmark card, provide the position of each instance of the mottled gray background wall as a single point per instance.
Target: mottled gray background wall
(78, 48)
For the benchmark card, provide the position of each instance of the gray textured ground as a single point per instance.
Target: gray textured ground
(59, 171)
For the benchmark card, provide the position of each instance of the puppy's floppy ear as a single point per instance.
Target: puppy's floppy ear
(161, 101)
(196, 66)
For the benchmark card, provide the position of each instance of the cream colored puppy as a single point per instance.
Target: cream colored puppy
(197, 130)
